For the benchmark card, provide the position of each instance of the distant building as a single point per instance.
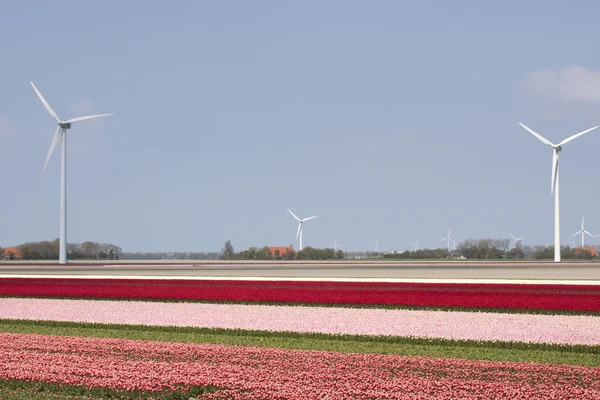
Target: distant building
(283, 250)
(12, 253)
(590, 250)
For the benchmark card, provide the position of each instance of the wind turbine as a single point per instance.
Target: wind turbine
(61, 133)
(376, 244)
(448, 239)
(336, 245)
(554, 184)
(517, 240)
(416, 244)
(300, 221)
(583, 233)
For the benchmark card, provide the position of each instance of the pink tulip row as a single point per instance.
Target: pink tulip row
(566, 329)
(249, 372)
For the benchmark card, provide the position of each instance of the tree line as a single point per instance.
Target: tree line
(494, 249)
(265, 253)
(48, 250)
(472, 249)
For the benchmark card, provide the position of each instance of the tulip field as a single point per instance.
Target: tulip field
(220, 339)
(556, 298)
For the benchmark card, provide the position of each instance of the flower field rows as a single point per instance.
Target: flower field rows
(286, 316)
(531, 328)
(492, 296)
(251, 373)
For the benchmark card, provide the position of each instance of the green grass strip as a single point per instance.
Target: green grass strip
(15, 389)
(462, 349)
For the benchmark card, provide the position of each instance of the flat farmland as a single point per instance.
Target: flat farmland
(310, 330)
(379, 270)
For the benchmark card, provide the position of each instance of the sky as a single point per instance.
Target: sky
(390, 120)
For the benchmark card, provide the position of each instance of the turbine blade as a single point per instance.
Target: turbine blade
(576, 233)
(52, 146)
(511, 235)
(79, 119)
(523, 238)
(567, 140)
(309, 218)
(45, 103)
(441, 240)
(299, 229)
(537, 135)
(297, 219)
(554, 170)
(586, 232)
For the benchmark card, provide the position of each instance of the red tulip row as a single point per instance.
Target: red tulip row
(251, 372)
(504, 296)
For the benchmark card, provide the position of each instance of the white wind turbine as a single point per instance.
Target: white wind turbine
(300, 221)
(61, 133)
(554, 184)
(517, 240)
(416, 245)
(583, 233)
(376, 245)
(448, 240)
(336, 246)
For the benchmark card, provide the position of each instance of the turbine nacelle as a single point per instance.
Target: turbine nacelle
(65, 125)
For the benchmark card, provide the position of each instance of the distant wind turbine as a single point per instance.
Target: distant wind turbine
(517, 240)
(376, 245)
(416, 245)
(448, 240)
(583, 233)
(554, 184)
(336, 246)
(300, 222)
(61, 133)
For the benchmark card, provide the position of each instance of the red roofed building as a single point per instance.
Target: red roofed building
(281, 250)
(11, 253)
(590, 250)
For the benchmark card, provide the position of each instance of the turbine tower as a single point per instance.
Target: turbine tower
(448, 240)
(61, 133)
(300, 221)
(554, 184)
(517, 240)
(583, 233)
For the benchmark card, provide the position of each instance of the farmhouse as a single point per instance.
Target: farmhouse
(11, 253)
(593, 253)
(281, 251)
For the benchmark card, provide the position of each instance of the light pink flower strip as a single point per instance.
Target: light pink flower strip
(567, 329)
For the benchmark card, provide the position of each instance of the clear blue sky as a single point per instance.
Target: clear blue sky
(391, 120)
